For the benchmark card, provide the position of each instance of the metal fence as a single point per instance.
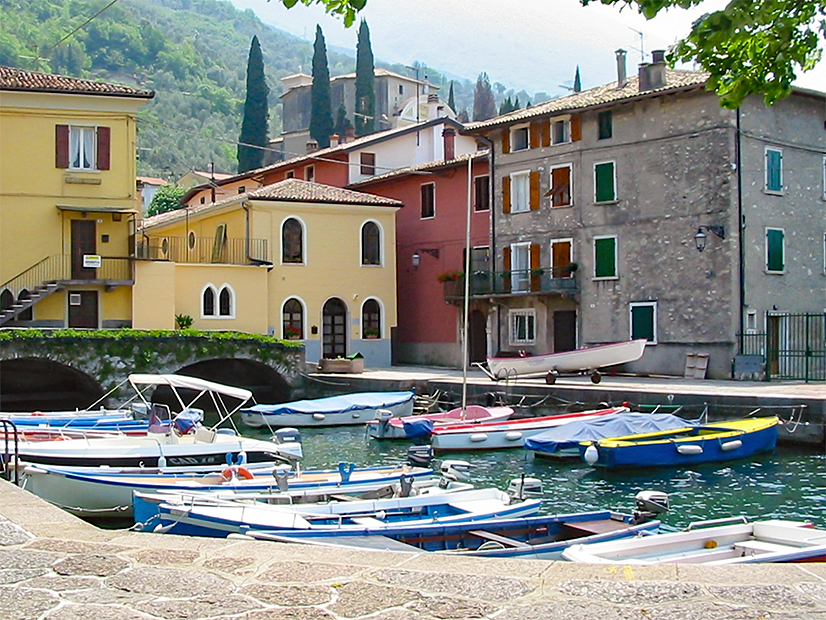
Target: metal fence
(228, 251)
(793, 346)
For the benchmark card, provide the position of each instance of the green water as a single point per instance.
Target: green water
(787, 483)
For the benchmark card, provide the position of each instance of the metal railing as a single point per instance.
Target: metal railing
(793, 346)
(514, 282)
(235, 251)
(58, 268)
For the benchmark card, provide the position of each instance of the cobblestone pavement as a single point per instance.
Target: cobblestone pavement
(56, 567)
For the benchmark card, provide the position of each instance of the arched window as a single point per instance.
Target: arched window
(27, 314)
(225, 302)
(6, 299)
(292, 242)
(208, 301)
(293, 320)
(370, 244)
(371, 319)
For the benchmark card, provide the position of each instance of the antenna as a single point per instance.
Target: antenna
(641, 48)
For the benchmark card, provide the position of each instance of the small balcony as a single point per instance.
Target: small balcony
(542, 281)
(233, 251)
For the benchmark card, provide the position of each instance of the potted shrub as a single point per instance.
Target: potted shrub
(570, 268)
(450, 276)
(371, 332)
(291, 332)
(183, 321)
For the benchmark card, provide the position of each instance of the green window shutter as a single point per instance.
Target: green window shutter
(605, 258)
(774, 170)
(642, 322)
(604, 179)
(775, 261)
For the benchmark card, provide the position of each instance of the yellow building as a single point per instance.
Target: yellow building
(295, 259)
(67, 200)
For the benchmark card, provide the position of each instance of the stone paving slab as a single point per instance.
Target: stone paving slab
(56, 567)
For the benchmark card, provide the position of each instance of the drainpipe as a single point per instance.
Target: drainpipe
(741, 225)
(491, 167)
(247, 210)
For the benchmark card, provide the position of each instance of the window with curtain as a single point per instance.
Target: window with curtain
(371, 319)
(292, 320)
(522, 326)
(82, 148)
(370, 244)
(520, 192)
(292, 242)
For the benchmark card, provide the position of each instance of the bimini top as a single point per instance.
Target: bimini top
(190, 383)
(336, 404)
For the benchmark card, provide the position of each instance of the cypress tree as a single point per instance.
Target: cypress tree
(365, 84)
(484, 106)
(577, 81)
(342, 122)
(451, 102)
(321, 111)
(256, 113)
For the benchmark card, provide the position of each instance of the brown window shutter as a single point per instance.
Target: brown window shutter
(546, 133)
(534, 190)
(535, 266)
(576, 128)
(506, 194)
(506, 141)
(506, 267)
(61, 146)
(104, 139)
(535, 131)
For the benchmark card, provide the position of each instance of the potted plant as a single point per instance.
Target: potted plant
(570, 268)
(450, 276)
(291, 332)
(371, 332)
(183, 321)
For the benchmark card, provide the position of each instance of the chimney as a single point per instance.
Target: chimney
(334, 139)
(312, 145)
(652, 75)
(622, 78)
(432, 106)
(349, 134)
(449, 134)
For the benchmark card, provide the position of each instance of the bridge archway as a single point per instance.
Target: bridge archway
(38, 384)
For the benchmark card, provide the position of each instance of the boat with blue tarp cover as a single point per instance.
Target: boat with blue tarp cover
(347, 409)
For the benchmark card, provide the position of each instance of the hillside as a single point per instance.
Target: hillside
(192, 53)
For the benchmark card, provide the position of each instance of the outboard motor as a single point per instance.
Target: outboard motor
(383, 417)
(649, 505)
(290, 441)
(420, 456)
(522, 487)
(455, 470)
(282, 474)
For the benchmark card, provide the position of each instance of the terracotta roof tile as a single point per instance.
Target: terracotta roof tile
(431, 165)
(19, 79)
(289, 190)
(608, 93)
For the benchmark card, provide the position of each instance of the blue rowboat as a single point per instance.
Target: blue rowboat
(348, 409)
(720, 441)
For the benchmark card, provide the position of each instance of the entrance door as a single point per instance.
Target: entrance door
(561, 256)
(83, 309)
(83, 242)
(564, 330)
(477, 337)
(334, 335)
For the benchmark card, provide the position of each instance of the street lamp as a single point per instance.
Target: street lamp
(702, 235)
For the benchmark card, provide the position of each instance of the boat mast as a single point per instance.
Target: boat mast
(467, 286)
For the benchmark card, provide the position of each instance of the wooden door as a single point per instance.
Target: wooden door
(561, 251)
(83, 309)
(564, 330)
(477, 337)
(83, 242)
(334, 334)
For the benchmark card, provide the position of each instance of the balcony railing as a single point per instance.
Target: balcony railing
(59, 269)
(516, 282)
(235, 251)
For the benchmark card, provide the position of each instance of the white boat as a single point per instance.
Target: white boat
(199, 517)
(389, 427)
(347, 409)
(172, 440)
(507, 434)
(589, 359)
(706, 543)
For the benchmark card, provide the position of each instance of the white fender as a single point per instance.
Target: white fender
(478, 437)
(513, 435)
(731, 445)
(690, 449)
(591, 455)
(319, 416)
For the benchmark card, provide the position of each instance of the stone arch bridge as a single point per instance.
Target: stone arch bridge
(67, 372)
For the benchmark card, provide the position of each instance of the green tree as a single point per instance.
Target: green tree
(346, 9)
(365, 84)
(751, 46)
(321, 114)
(451, 100)
(167, 198)
(342, 122)
(253, 139)
(484, 106)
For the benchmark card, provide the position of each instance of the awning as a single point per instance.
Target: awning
(191, 383)
(97, 209)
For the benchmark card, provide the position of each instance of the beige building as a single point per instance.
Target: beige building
(68, 200)
(294, 259)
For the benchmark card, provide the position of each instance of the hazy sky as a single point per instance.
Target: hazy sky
(534, 45)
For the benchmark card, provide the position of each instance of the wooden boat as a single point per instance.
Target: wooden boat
(707, 543)
(347, 409)
(198, 516)
(107, 492)
(564, 441)
(506, 434)
(589, 359)
(720, 441)
(387, 427)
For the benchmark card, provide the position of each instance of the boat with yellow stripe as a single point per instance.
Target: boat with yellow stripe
(700, 443)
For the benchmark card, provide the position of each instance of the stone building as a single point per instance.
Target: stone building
(642, 208)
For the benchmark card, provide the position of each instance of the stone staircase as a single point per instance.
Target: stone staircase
(21, 305)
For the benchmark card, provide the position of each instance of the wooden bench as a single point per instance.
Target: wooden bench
(589, 528)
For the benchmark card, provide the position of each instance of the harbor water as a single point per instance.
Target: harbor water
(788, 483)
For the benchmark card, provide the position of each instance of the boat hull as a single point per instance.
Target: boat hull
(395, 427)
(579, 360)
(725, 441)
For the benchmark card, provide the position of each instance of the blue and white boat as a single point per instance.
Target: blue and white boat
(563, 441)
(200, 516)
(347, 409)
